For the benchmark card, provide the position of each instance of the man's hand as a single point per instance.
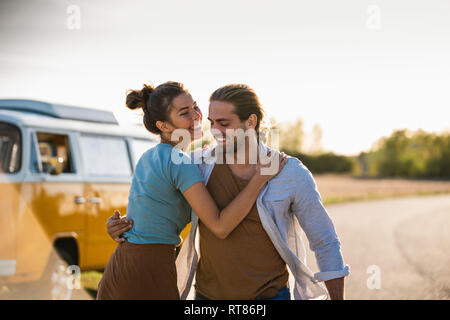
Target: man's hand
(116, 226)
(336, 288)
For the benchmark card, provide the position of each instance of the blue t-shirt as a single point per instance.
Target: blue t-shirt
(156, 203)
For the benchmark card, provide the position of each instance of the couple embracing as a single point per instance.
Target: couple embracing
(249, 213)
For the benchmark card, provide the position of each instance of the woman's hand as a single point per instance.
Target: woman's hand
(265, 172)
(116, 226)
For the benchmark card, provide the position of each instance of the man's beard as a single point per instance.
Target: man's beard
(238, 143)
(235, 152)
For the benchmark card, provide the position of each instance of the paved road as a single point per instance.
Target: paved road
(406, 242)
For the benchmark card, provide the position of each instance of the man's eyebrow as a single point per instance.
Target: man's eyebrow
(221, 119)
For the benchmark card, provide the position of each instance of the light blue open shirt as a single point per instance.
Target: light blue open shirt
(288, 204)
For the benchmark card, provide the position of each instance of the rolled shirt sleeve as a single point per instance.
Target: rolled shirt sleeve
(318, 227)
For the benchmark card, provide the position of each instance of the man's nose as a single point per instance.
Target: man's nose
(215, 129)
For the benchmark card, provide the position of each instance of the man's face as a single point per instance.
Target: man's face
(223, 119)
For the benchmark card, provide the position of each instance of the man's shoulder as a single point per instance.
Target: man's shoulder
(196, 153)
(295, 175)
(296, 167)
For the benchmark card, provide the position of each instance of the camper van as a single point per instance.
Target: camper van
(63, 171)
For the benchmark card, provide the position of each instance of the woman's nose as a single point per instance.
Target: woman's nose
(197, 115)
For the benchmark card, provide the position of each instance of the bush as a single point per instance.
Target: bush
(409, 154)
(324, 163)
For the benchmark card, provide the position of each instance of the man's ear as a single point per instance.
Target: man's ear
(252, 121)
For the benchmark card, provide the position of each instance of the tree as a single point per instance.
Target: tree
(411, 154)
(291, 135)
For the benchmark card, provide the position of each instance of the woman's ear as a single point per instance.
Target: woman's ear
(162, 126)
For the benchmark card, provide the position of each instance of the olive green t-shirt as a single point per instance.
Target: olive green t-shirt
(245, 265)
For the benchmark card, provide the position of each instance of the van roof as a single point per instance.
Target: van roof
(59, 110)
(38, 114)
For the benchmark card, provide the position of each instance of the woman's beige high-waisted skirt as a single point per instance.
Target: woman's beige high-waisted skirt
(140, 271)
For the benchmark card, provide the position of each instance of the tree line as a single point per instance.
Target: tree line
(404, 153)
(412, 154)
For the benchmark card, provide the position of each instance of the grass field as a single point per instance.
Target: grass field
(337, 189)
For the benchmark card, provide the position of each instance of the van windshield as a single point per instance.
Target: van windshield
(10, 148)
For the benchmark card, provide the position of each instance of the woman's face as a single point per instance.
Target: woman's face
(185, 114)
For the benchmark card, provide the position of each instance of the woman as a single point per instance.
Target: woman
(161, 197)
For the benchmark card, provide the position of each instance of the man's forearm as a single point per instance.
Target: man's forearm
(335, 288)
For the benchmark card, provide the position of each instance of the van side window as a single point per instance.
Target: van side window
(10, 148)
(105, 156)
(55, 153)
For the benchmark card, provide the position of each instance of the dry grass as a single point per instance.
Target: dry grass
(341, 188)
(90, 279)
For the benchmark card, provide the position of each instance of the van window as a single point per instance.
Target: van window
(105, 156)
(139, 146)
(55, 153)
(10, 148)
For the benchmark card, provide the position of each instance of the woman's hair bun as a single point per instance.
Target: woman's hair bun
(138, 98)
(156, 102)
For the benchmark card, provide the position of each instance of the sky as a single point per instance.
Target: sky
(358, 68)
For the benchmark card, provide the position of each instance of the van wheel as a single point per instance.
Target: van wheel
(56, 281)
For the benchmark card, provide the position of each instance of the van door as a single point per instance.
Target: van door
(10, 185)
(108, 172)
(54, 192)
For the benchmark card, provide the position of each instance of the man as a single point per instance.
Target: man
(253, 261)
